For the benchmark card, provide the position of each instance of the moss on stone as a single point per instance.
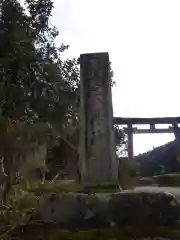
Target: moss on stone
(101, 189)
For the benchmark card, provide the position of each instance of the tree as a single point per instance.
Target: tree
(36, 85)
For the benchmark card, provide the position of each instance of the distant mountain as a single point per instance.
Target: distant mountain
(160, 160)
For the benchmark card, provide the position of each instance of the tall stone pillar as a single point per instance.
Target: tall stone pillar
(98, 162)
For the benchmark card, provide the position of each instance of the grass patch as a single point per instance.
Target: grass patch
(48, 232)
(176, 174)
(171, 179)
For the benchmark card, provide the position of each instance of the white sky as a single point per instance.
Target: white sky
(143, 40)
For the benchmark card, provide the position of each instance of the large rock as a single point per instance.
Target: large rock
(107, 210)
(127, 215)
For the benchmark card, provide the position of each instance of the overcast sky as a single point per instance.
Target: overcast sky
(143, 41)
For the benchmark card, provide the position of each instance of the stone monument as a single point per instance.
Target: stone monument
(97, 153)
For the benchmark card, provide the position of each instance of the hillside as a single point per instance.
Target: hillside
(160, 160)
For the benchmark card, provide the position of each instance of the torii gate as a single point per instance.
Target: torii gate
(129, 122)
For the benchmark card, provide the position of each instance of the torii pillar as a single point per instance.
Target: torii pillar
(97, 152)
(130, 142)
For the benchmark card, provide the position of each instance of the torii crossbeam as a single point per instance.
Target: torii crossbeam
(129, 122)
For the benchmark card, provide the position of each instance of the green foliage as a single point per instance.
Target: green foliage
(38, 91)
(120, 141)
(35, 83)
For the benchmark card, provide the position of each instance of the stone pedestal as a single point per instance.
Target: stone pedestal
(98, 162)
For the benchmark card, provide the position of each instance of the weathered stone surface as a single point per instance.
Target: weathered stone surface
(100, 211)
(127, 215)
(105, 210)
(143, 208)
(98, 162)
(74, 210)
